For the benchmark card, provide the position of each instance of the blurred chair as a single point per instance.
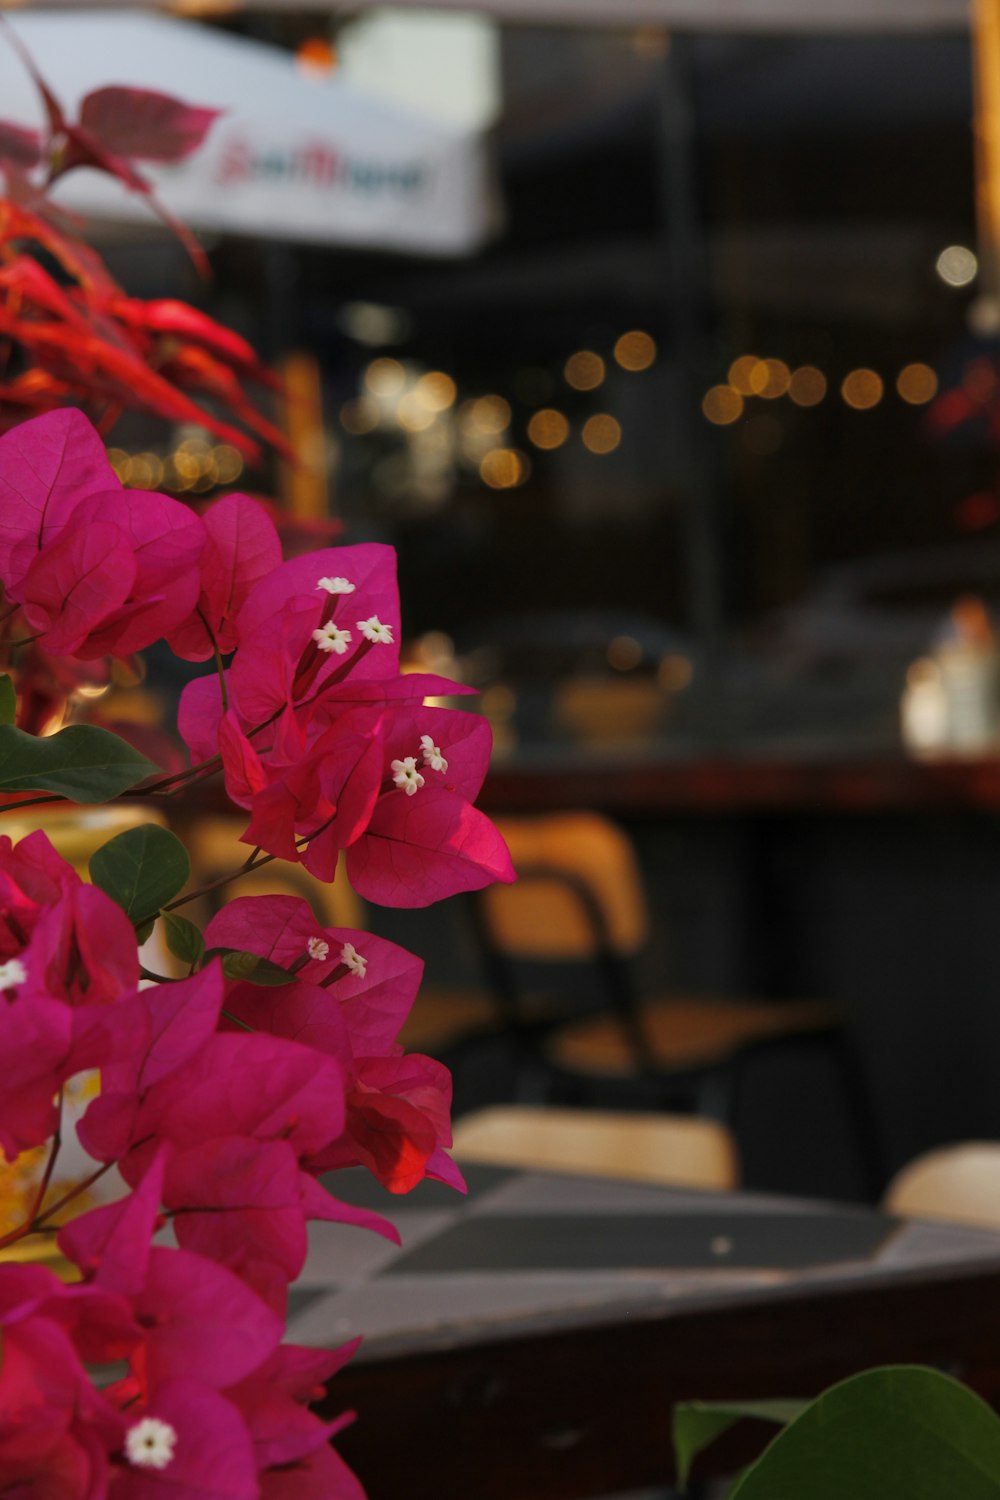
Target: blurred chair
(682, 1150)
(960, 1183)
(578, 914)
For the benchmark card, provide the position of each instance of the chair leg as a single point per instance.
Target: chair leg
(864, 1124)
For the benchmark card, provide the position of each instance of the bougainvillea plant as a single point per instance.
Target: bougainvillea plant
(68, 332)
(226, 1095)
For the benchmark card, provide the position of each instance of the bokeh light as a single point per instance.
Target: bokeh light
(740, 372)
(917, 384)
(807, 386)
(957, 265)
(436, 391)
(862, 389)
(548, 428)
(635, 350)
(584, 371)
(385, 377)
(601, 433)
(722, 404)
(770, 378)
(490, 414)
(504, 468)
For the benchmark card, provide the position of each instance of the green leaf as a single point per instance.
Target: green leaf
(698, 1423)
(898, 1433)
(141, 869)
(144, 931)
(238, 964)
(184, 939)
(8, 700)
(83, 763)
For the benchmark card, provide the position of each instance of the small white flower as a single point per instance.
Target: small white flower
(318, 949)
(150, 1443)
(336, 585)
(406, 775)
(373, 630)
(11, 973)
(432, 754)
(330, 637)
(355, 961)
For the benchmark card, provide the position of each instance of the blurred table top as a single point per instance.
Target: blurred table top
(531, 1338)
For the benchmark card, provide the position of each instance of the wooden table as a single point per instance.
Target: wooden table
(530, 1340)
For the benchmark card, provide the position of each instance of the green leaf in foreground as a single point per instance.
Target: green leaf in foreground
(184, 939)
(238, 964)
(8, 700)
(898, 1433)
(699, 1423)
(83, 763)
(141, 869)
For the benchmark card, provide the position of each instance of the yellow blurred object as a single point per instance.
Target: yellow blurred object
(305, 485)
(609, 710)
(679, 1150)
(214, 847)
(959, 1183)
(76, 833)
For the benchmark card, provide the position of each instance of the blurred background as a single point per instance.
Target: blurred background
(665, 347)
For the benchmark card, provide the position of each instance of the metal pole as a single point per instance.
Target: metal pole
(686, 291)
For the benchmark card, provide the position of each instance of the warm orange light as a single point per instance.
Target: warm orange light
(436, 391)
(548, 428)
(722, 404)
(584, 371)
(601, 433)
(917, 384)
(862, 389)
(504, 468)
(490, 414)
(807, 386)
(316, 55)
(228, 463)
(740, 372)
(635, 350)
(385, 377)
(770, 378)
(412, 415)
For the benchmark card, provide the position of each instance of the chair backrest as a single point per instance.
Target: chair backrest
(579, 889)
(685, 1150)
(960, 1183)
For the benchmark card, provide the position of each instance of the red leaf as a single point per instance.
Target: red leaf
(20, 146)
(145, 124)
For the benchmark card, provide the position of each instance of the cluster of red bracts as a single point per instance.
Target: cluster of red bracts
(223, 1103)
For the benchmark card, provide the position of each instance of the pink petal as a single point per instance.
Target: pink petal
(202, 1318)
(47, 465)
(243, 546)
(75, 583)
(420, 849)
(112, 1243)
(214, 1457)
(249, 1191)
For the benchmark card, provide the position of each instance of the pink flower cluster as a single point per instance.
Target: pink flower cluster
(223, 1102)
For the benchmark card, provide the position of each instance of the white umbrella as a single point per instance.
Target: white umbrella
(293, 157)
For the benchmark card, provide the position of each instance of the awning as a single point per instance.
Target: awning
(294, 157)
